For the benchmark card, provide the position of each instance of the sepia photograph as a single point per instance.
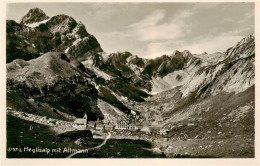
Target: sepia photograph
(162, 80)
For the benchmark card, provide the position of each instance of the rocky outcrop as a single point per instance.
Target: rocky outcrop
(80, 30)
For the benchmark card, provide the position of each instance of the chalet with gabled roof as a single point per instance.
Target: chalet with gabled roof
(81, 123)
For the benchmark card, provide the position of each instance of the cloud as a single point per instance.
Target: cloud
(150, 20)
(240, 32)
(161, 31)
(248, 16)
(209, 44)
(212, 44)
(156, 49)
(153, 35)
(154, 28)
(119, 35)
(199, 28)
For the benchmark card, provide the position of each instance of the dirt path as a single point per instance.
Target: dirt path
(99, 146)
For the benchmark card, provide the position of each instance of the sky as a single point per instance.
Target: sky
(150, 30)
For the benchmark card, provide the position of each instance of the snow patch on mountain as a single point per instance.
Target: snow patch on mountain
(105, 56)
(137, 70)
(90, 64)
(67, 50)
(36, 24)
(76, 41)
(102, 74)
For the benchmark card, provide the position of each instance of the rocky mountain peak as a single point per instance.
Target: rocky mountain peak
(243, 49)
(177, 55)
(37, 34)
(62, 24)
(34, 15)
(245, 40)
(186, 53)
(176, 52)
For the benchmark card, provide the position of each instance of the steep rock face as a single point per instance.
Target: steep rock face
(17, 47)
(62, 24)
(12, 26)
(239, 68)
(235, 73)
(243, 49)
(137, 70)
(82, 48)
(38, 34)
(34, 15)
(116, 65)
(56, 79)
(176, 77)
(165, 64)
(210, 74)
(116, 74)
(80, 30)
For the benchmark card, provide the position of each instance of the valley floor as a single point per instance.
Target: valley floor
(121, 142)
(43, 142)
(221, 127)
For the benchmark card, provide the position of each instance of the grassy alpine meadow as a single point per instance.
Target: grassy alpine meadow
(42, 142)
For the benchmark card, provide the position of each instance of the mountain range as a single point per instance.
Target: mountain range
(54, 63)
